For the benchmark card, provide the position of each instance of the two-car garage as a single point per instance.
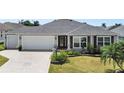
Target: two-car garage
(30, 42)
(37, 42)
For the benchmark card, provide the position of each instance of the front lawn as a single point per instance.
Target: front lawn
(81, 64)
(3, 60)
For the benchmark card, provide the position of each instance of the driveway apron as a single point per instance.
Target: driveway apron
(25, 62)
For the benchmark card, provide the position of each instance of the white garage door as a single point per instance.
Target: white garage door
(37, 42)
(12, 41)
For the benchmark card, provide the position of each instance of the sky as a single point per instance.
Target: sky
(95, 22)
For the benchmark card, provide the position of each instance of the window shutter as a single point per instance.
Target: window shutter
(95, 45)
(112, 39)
(88, 40)
(71, 41)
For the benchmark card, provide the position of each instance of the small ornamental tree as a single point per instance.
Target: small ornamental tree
(113, 53)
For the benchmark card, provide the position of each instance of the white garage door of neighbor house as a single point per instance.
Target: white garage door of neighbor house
(37, 42)
(12, 41)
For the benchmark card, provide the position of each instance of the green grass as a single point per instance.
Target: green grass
(3, 60)
(81, 64)
(2, 46)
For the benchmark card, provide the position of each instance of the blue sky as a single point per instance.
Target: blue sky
(96, 22)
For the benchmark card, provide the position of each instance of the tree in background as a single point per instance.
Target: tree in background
(21, 22)
(117, 24)
(114, 26)
(29, 23)
(104, 25)
(36, 23)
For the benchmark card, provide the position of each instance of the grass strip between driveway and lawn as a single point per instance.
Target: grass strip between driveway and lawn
(81, 64)
(3, 60)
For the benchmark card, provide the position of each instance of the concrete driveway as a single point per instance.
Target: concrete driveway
(25, 61)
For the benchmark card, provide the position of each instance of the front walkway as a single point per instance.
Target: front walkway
(25, 62)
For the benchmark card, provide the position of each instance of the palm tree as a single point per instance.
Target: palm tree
(113, 53)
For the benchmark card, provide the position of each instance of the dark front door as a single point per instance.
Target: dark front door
(62, 42)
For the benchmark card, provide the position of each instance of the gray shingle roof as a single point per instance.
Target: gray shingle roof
(64, 27)
(56, 27)
(119, 30)
(61, 26)
(27, 30)
(9, 26)
(12, 26)
(86, 29)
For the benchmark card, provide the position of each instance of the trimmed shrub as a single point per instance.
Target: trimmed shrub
(1, 43)
(70, 52)
(20, 48)
(76, 53)
(73, 53)
(91, 49)
(59, 58)
(2, 47)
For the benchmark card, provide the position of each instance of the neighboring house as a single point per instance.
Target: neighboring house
(61, 34)
(7, 27)
(2, 29)
(120, 31)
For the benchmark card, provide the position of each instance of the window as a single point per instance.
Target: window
(121, 38)
(80, 41)
(83, 42)
(76, 42)
(102, 41)
(107, 41)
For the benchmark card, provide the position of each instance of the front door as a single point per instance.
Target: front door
(62, 42)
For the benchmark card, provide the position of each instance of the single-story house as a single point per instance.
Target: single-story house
(61, 34)
(120, 31)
